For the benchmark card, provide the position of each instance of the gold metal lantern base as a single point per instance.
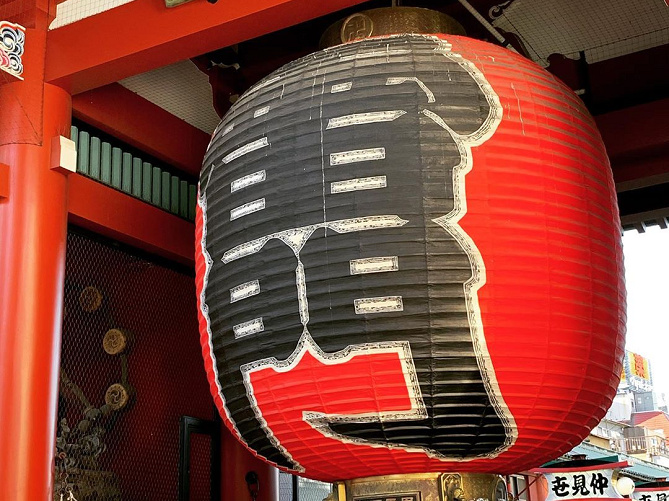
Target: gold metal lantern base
(423, 487)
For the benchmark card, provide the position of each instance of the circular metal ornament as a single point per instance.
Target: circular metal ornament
(115, 341)
(117, 396)
(90, 299)
(356, 27)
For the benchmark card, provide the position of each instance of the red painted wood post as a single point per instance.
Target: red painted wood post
(33, 228)
(236, 463)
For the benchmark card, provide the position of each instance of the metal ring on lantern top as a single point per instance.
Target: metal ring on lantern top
(388, 20)
(409, 260)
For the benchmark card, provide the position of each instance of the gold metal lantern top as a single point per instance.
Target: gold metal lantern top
(389, 21)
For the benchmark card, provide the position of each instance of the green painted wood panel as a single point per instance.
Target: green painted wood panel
(165, 195)
(147, 175)
(174, 196)
(137, 177)
(183, 199)
(192, 195)
(156, 191)
(109, 164)
(105, 163)
(83, 157)
(116, 167)
(94, 163)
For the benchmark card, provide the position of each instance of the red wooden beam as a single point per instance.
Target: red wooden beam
(637, 141)
(28, 13)
(114, 214)
(144, 34)
(129, 117)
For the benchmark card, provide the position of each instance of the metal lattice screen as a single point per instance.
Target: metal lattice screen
(71, 11)
(292, 488)
(312, 490)
(602, 30)
(130, 368)
(166, 87)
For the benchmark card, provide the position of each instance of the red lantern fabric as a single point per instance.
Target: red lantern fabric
(408, 259)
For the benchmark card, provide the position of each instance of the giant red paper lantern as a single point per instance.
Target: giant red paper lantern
(409, 260)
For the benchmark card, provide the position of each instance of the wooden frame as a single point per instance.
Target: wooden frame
(187, 426)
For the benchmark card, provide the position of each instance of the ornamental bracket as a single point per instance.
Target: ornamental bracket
(12, 43)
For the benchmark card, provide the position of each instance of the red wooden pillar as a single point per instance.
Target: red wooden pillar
(33, 225)
(236, 463)
(538, 488)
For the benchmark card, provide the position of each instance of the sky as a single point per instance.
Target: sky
(647, 281)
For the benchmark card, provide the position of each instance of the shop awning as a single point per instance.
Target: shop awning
(640, 469)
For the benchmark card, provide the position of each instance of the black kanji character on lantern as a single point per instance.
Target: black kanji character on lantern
(645, 497)
(560, 487)
(599, 483)
(579, 488)
(281, 272)
(661, 496)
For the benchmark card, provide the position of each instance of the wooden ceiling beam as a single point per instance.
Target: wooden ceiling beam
(138, 122)
(143, 35)
(637, 141)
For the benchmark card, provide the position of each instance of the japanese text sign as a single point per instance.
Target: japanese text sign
(652, 494)
(586, 483)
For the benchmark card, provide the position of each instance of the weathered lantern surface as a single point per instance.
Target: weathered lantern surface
(409, 260)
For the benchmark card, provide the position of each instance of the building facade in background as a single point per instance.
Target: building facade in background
(637, 424)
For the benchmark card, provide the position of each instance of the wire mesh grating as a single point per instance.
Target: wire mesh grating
(130, 368)
(200, 481)
(312, 490)
(601, 29)
(180, 88)
(292, 488)
(71, 11)
(285, 487)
